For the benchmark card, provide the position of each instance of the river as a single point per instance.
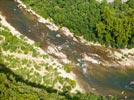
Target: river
(97, 78)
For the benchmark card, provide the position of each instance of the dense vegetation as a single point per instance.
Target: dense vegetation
(13, 87)
(111, 24)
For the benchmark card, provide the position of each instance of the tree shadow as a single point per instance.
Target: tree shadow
(18, 78)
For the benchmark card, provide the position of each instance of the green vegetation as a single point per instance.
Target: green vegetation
(110, 24)
(14, 87)
(25, 60)
(68, 68)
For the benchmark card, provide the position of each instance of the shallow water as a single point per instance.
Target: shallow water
(112, 81)
(106, 81)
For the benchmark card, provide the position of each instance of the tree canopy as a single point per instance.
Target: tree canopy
(111, 24)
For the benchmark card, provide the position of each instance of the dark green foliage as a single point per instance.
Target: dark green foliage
(15, 87)
(110, 24)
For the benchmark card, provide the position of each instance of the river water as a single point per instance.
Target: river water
(100, 79)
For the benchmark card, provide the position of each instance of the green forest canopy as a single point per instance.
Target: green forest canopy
(111, 24)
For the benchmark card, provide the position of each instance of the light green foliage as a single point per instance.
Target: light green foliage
(25, 60)
(13, 88)
(67, 68)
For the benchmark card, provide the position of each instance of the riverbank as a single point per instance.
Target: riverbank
(50, 61)
(121, 57)
(54, 27)
(84, 57)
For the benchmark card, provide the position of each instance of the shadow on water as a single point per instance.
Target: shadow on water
(105, 80)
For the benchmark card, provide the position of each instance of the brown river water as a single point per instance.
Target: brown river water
(100, 79)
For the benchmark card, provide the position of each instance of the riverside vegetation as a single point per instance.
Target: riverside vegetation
(21, 76)
(111, 24)
(26, 60)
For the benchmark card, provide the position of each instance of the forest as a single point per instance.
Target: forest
(111, 24)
